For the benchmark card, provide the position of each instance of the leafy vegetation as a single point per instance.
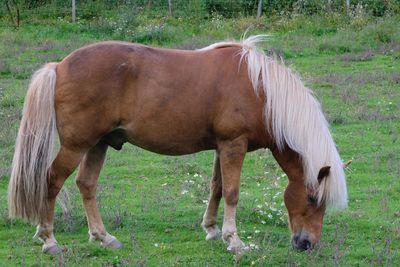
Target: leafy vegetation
(154, 203)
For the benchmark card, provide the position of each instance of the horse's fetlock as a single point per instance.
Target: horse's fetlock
(213, 232)
(97, 235)
(43, 232)
(227, 236)
(208, 222)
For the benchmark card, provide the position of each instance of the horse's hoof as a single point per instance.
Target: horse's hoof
(238, 249)
(213, 233)
(113, 243)
(235, 245)
(51, 249)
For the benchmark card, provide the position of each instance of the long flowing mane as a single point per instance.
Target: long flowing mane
(295, 118)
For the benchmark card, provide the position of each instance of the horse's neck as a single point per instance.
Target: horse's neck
(290, 162)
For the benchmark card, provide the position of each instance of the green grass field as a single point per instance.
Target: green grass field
(154, 204)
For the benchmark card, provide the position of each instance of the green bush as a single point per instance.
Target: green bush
(205, 8)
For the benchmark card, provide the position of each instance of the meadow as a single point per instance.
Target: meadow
(154, 204)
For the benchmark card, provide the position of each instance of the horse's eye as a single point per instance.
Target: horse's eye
(312, 199)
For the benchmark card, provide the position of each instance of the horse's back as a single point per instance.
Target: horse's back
(168, 101)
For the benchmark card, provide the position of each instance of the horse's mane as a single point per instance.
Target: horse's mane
(295, 119)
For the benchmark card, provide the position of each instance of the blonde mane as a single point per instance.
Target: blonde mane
(295, 119)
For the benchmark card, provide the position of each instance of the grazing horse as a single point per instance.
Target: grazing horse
(229, 97)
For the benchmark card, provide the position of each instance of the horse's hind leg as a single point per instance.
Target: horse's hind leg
(64, 164)
(86, 180)
(209, 223)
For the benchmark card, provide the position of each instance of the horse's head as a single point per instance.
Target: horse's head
(306, 198)
(305, 213)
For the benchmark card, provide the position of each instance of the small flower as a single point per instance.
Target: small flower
(184, 192)
(253, 246)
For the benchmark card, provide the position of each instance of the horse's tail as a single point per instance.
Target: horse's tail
(27, 190)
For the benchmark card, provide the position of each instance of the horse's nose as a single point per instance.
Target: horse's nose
(304, 245)
(301, 244)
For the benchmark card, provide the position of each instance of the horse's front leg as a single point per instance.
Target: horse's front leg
(209, 223)
(231, 154)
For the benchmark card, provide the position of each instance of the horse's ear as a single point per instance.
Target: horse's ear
(323, 172)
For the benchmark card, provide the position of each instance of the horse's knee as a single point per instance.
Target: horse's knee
(86, 186)
(231, 195)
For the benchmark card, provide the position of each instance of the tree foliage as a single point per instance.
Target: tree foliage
(225, 8)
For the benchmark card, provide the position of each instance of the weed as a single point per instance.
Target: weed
(396, 77)
(385, 255)
(339, 249)
(364, 56)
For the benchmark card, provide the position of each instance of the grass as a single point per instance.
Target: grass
(154, 203)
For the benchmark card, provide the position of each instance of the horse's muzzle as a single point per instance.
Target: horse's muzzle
(302, 243)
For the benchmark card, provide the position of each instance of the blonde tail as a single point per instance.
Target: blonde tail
(27, 190)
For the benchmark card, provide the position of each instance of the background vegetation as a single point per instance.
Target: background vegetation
(19, 10)
(153, 203)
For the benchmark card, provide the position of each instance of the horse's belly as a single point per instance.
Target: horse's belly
(167, 141)
(178, 147)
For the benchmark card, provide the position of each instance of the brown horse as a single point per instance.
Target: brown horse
(229, 97)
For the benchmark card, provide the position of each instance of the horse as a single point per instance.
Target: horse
(230, 97)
